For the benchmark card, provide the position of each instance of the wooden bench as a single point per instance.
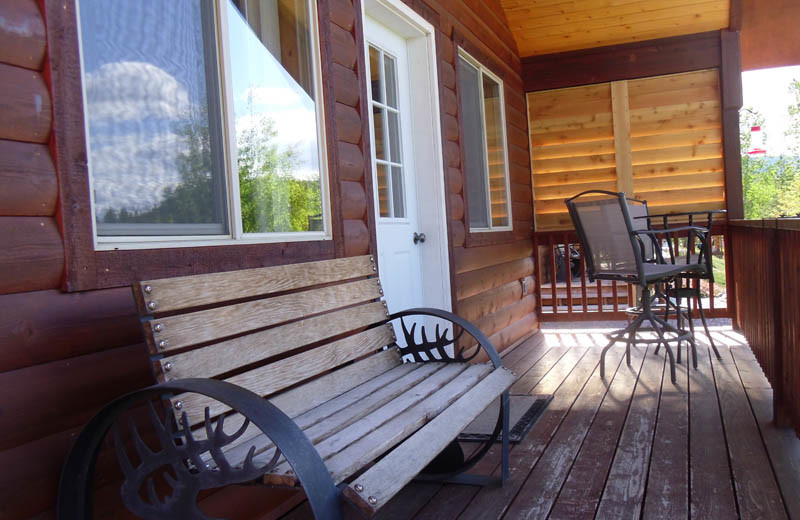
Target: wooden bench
(345, 416)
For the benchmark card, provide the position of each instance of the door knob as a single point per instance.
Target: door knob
(419, 237)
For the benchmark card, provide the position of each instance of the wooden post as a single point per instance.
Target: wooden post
(622, 136)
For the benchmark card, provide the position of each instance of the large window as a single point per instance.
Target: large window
(203, 121)
(484, 146)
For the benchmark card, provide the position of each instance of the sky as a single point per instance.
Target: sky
(767, 91)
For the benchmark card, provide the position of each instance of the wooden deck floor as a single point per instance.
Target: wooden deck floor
(634, 446)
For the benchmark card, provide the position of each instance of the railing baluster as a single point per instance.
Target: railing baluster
(599, 296)
(584, 300)
(538, 269)
(614, 292)
(568, 272)
(553, 276)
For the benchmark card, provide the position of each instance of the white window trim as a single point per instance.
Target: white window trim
(484, 71)
(236, 236)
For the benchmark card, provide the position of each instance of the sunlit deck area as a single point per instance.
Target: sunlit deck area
(634, 446)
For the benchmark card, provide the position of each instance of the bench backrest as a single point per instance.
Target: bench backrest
(268, 329)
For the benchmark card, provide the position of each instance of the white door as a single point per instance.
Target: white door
(394, 176)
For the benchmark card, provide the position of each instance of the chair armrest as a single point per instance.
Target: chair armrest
(75, 487)
(415, 347)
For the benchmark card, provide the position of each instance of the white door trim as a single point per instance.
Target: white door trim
(427, 136)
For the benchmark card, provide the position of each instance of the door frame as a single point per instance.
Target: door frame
(428, 162)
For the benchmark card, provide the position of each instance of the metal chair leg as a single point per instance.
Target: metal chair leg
(705, 326)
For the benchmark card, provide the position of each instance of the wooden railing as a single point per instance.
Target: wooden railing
(569, 295)
(766, 265)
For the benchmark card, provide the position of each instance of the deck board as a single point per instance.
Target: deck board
(634, 446)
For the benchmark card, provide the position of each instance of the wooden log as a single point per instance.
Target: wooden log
(456, 207)
(354, 200)
(356, 238)
(519, 330)
(43, 326)
(458, 233)
(32, 256)
(345, 84)
(342, 13)
(501, 319)
(351, 162)
(481, 280)
(451, 130)
(348, 124)
(28, 184)
(447, 75)
(452, 153)
(521, 192)
(446, 50)
(455, 181)
(25, 109)
(343, 47)
(22, 34)
(488, 302)
(522, 211)
(479, 257)
(449, 102)
(55, 396)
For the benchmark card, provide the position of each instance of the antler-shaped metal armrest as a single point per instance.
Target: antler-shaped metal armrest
(75, 487)
(416, 346)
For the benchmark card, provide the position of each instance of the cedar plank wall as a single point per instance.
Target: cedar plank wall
(487, 276)
(64, 355)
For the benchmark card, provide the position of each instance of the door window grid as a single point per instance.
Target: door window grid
(387, 148)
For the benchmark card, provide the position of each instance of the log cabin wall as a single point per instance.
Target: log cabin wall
(70, 340)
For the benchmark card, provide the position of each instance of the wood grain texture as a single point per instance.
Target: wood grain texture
(343, 47)
(24, 105)
(44, 326)
(198, 290)
(346, 85)
(385, 479)
(281, 374)
(74, 389)
(357, 238)
(209, 325)
(622, 62)
(479, 257)
(32, 256)
(769, 38)
(354, 200)
(28, 184)
(342, 13)
(351, 162)
(492, 300)
(22, 34)
(229, 355)
(348, 124)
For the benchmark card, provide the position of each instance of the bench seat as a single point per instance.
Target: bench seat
(294, 376)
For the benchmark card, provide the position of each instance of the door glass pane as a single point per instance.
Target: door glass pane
(397, 192)
(152, 109)
(473, 146)
(375, 74)
(377, 121)
(394, 137)
(391, 81)
(275, 116)
(495, 147)
(383, 190)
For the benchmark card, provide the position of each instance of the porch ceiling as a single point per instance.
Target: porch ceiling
(550, 26)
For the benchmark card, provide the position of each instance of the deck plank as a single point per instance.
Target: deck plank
(566, 380)
(581, 492)
(625, 484)
(710, 487)
(667, 493)
(757, 492)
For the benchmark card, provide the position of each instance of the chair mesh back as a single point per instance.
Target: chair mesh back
(603, 227)
(638, 208)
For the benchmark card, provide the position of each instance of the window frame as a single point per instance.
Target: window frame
(494, 230)
(235, 235)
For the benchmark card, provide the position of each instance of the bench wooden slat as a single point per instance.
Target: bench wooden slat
(193, 291)
(343, 411)
(208, 325)
(281, 374)
(395, 420)
(388, 476)
(225, 356)
(352, 381)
